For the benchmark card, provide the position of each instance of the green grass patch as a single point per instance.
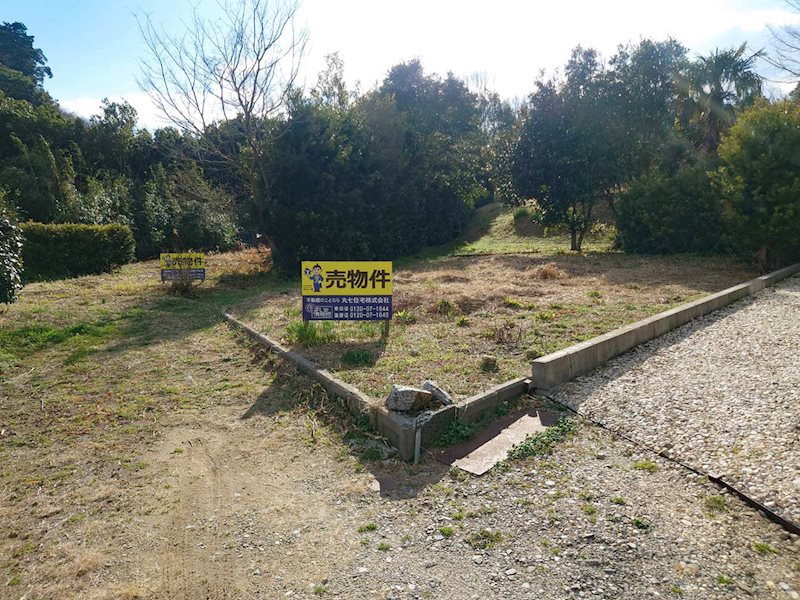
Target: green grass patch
(484, 539)
(459, 432)
(367, 527)
(646, 465)
(540, 444)
(25, 341)
(764, 548)
(716, 504)
(406, 317)
(308, 333)
(358, 358)
(23, 550)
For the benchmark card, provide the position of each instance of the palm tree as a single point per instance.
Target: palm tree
(718, 86)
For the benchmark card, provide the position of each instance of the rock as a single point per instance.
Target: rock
(403, 398)
(405, 492)
(438, 393)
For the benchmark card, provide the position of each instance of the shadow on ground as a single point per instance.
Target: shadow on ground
(291, 392)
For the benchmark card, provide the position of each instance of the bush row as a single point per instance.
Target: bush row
(746, 200)
(10, 262)
(51, 250)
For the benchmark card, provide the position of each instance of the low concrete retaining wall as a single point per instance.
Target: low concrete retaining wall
(552, 370)
(548, 371)
(398, 428)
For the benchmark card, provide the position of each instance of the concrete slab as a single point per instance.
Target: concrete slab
(483, 458)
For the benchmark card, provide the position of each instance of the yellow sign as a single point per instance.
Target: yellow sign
(180, 265)
(346, 278)
(183, 260)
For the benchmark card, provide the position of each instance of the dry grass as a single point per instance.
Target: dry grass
(548, 271)
(90, 369)
(453, 310)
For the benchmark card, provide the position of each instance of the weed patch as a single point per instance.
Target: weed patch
(358, 358)
(540, 444)
(484, 539)
(308, 333)
(646, 465)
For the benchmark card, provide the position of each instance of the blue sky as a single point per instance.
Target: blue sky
(93, 46)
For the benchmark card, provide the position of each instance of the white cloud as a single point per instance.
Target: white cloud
(87, 107)
(511, 40)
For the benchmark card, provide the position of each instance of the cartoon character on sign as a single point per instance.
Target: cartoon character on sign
(315, 275)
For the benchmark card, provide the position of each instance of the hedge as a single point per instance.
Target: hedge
(10, 267)
(57, 250)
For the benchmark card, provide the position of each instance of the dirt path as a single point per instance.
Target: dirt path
(244, 509)
(251, 508)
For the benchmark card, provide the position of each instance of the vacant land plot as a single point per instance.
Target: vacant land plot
(452, 312)
(147, 451)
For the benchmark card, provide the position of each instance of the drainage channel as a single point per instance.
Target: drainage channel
(788, 525)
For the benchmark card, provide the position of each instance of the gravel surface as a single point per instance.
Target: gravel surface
(721, 393)
(597, 519)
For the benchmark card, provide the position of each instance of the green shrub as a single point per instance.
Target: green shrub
(663, 214)
(761, 182)
(52, 251)
(10, 258)
(521, 213)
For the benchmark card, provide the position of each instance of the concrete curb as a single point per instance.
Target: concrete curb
(397, 428)
(557, 368)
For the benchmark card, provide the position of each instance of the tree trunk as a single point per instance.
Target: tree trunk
(574, 240)
(581, 233)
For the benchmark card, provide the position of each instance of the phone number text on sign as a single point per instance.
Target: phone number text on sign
(347, 290)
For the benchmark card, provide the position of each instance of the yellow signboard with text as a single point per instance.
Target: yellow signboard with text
(183, 260)
(347, 290)
(176, 265)
(347, 278)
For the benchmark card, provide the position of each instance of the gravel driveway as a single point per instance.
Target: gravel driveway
(721, 393)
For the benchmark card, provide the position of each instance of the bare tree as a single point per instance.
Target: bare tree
(239, 69)
(786, 46)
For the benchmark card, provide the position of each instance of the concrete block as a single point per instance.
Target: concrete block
(439, 422)
(470, 410)
(399, 430)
